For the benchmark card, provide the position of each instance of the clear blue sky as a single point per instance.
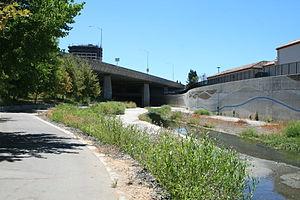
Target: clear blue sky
(191, 34)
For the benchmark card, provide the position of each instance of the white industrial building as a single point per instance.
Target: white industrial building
(289, 53)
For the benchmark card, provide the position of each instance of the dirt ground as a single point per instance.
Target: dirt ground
(237, 127)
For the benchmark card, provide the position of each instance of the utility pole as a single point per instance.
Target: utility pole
(147, 62)
(218, 106)
(173, 71)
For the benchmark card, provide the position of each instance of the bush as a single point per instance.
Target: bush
(145, 117)
(160, 116)
(176, 116)
(202, 112)
(109, 108)
(292, 129)
(187, 168)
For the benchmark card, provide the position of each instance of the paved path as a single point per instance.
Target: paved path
(131, 117)
(38, 161)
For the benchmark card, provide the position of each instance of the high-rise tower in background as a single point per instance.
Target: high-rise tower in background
(89, 51)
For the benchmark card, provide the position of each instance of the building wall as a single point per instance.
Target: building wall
(271, 97)
(289, 54)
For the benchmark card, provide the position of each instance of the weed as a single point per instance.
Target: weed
(292, 129)
(193, 121)
(208, 125)
(276, 140)
(114, 183)
(249, 133)
(202, 112)
(130, 104)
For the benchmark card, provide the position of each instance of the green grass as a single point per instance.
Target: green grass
(288, 140)
(109, 108)
(187, 168)
(202, 112)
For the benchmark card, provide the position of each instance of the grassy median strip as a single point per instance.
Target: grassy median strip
(186, 167)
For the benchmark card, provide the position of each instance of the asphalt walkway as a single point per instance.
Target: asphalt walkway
(39, 161)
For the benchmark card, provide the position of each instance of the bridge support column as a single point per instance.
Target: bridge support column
(146, 95)
(107, 89)
(166, 90)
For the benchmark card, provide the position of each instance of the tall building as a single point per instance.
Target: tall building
(89, 51)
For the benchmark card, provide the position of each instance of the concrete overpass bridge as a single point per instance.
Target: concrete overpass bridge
(122, 84)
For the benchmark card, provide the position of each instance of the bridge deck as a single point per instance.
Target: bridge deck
(106, 68)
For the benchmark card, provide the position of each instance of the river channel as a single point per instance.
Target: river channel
(277, 172)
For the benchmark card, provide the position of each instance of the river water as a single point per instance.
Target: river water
(277, 172)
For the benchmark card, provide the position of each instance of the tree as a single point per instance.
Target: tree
(91, 83)
(63, 83)
(192, 77)
(85, 83)
(10, 11)
(29, 47)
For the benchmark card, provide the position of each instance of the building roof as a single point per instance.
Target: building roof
(294, 42)
(257, 65)
(84, 46)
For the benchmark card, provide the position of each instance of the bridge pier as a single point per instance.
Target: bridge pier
(107, 88)
(166, 90)
(146, 95)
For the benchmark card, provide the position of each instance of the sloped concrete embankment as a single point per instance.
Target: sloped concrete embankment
(276, 98)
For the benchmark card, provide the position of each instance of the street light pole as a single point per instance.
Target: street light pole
(173, 69)
(99, 28)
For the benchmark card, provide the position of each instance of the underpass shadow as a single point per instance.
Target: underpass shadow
(15, 146)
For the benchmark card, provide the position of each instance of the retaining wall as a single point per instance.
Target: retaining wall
(275, 98)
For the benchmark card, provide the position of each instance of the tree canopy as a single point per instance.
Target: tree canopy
(192, 77)
(10, 11)
(29, 45)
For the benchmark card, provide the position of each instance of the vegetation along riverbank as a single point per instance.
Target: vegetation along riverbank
(187, 168)
(281, 136)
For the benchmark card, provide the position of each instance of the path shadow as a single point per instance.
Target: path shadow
(5, 119)
(15, 146)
